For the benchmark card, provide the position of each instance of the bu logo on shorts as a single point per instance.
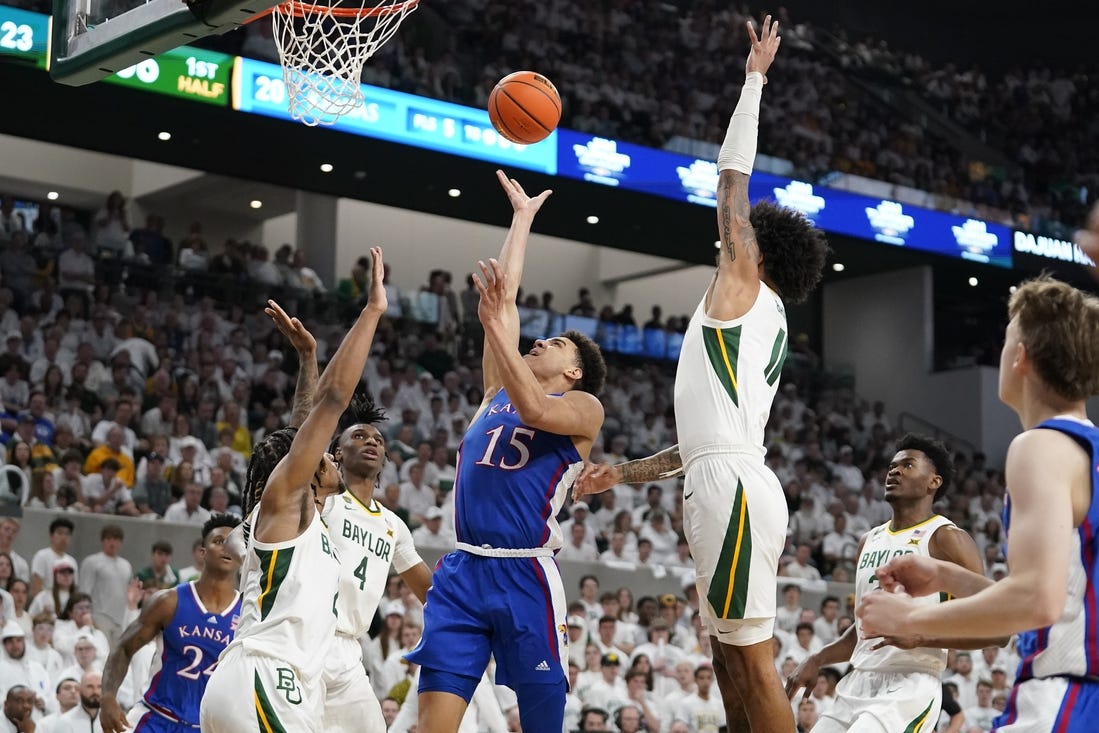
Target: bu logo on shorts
(288, 685)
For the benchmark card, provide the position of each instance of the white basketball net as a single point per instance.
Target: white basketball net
(323, 49)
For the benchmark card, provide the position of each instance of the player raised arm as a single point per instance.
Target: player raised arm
(282, 498)
(155, 617)
(512, 257)
(306, 346)
(575, 413)
(736, 284)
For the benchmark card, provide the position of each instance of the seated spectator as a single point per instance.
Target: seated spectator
(53, 600)
(75, 622)
(431, 534)
(188, 510)
(106, 493)
(113, 449)
(152, 493)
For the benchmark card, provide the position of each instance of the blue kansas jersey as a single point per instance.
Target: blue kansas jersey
(511, 481)
(188, 651)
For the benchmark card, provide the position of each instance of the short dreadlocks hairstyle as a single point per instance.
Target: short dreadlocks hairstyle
(265, 456)
(794, 251)
(936, 452)
(360, 411)
(219, 520)
(590, 360)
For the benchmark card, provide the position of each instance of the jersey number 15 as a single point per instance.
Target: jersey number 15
(520, 446)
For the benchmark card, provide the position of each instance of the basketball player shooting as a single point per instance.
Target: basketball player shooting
(501, 593)
(734, 510)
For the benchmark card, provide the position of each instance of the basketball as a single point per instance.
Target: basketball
(524, 107)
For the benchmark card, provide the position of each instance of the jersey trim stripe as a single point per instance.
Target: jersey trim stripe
(141, 723)
(551, 490)
(1087, 558)
(275, 564)
(1064, 714)
(778, 357)
(729, 598)
(723, 347)
(265, 713)
(550, 621)
(917, 725)
(932, 518)
(357, 500)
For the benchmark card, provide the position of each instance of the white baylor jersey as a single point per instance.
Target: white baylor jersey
(288, 610)
(728, 375)
(881, 546)
(368, 540)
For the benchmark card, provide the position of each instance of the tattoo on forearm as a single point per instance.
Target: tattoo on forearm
(304, 391)
(732, 192)
(665, 464)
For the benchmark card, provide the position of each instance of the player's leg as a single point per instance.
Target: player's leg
(751, 667)
(454, 648)
(736, 716)
(530, 640)
(735, 522)
(443, 698)
(349, 701)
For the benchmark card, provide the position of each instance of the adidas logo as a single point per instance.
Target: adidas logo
(212, 620)
(543, 666)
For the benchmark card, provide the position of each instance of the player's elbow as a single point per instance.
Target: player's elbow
(1046, 605)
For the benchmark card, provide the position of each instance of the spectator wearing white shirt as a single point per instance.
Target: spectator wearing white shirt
(67, 694)
(416, 495)
(577, 548)
(846, 471)
(799, 567)
(839, 546)
(188, 509)
(610, 691)
(9, 530)
(978, 718)
(106, 577)
(824, 627)
(17, 669)
(581, 514)
(106, 493)
(663, 538)
(702, 710)
(964, 679)
(123, 414)
(83, 718)
(803, 644)
(432, 535)
(61, 530)
(618, 553)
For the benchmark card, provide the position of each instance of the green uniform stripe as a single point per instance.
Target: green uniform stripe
(917, 725)
(775, 373)
(265, 712)
(776, 350)
(723, 346)
(728, 591)
(274, 565)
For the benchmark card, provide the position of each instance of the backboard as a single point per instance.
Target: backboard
(91, 39)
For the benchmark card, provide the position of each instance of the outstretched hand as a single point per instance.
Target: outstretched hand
(296, 333)
(595, 478)
(377, 301)
(520, 201)
(764, 47)
(493, 290)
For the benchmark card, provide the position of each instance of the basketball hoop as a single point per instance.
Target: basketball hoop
(323, 48)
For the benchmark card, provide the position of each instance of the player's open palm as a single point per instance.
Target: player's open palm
(296, 333)
(764, 46)
(492, 286)
(377, 301)
(519, 199)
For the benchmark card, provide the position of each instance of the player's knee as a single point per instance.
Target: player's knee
(437, 680)
(541, 707)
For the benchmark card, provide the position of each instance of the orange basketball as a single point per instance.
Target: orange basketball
(524, 107)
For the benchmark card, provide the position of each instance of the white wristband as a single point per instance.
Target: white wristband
(738, 152)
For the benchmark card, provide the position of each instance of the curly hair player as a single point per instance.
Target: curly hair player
(290, 576)
(501, 592)
(734, 511)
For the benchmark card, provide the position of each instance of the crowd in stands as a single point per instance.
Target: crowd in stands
(647, 71)
(141, 402)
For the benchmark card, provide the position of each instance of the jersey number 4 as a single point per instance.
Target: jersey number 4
(520, 446)
(191, 671)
